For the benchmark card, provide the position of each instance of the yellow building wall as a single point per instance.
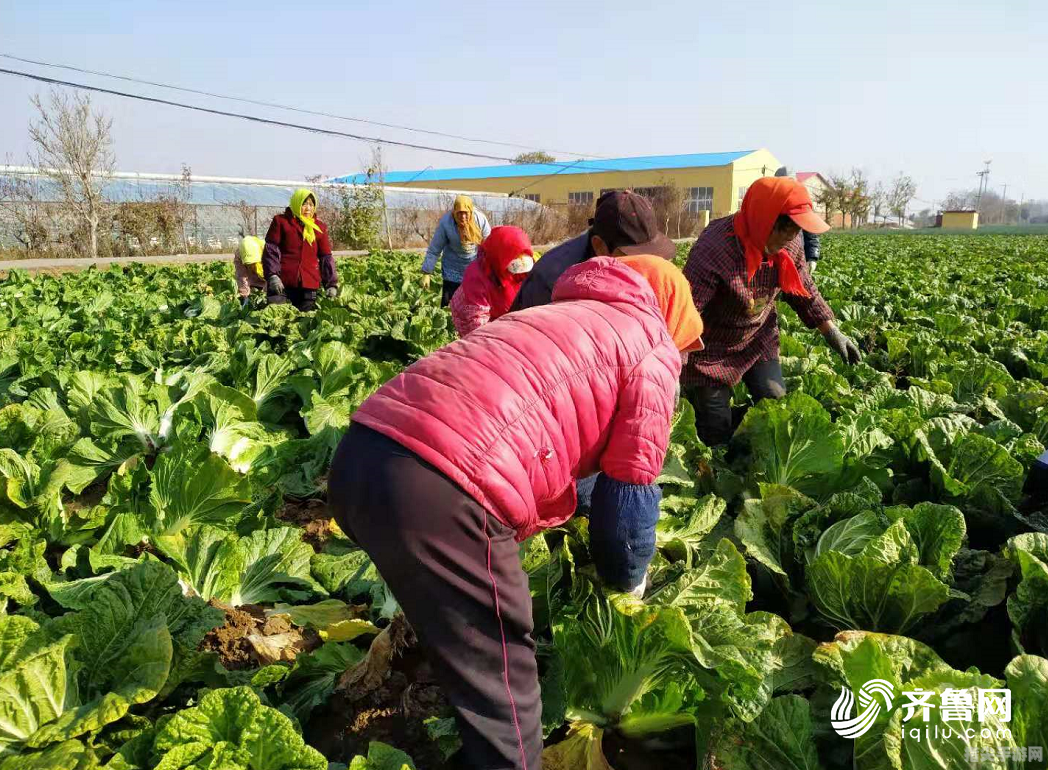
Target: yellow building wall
(746, 171)
(960, 220)
(553, 190)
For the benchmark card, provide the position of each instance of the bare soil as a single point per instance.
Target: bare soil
(390, 708)
(233, 640)
(87, 499)
(674, 751)
(313, 518)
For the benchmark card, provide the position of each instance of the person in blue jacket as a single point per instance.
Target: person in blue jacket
(455, 242)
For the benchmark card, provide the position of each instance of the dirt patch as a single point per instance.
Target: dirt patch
(144, 547)
(393, 713)
(248, 639)
(87, 499)
(673, 750)
(387, 698)
(313, 518)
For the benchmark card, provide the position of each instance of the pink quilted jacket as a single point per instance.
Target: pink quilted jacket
(472, 306)
(522, 407)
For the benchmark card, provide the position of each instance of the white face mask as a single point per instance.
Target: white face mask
(520, 265)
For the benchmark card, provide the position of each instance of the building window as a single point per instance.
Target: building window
(742, 193)
(533, 197)
(581, 198)
(699, 199)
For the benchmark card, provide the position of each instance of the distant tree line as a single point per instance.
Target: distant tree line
(861, 201)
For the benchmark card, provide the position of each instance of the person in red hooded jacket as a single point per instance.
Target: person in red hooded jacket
(737, 268)
(492, 280)
(472, 449)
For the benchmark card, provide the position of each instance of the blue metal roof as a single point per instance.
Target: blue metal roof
(645, 163)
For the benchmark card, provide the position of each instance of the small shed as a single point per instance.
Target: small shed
(960, 220)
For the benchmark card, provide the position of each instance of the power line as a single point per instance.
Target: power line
(284, 106)
(318, 113)
(254, 118)
(563, 166)
(285, 124)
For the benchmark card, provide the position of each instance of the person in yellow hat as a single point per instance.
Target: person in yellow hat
(247, 265)
(297, 259)
(458, 234)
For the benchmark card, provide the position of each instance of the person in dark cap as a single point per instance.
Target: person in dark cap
(623, 224)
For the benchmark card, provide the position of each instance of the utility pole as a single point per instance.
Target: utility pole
(984, 184)
(1019, 215)
(1004, 204)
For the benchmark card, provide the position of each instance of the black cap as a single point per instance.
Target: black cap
(625, 221)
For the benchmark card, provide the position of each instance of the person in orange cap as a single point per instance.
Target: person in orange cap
(737, 268)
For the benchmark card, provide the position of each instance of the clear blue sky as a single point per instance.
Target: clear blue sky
(929, 87)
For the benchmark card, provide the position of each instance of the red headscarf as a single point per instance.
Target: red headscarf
(503, 245)
(767, 199)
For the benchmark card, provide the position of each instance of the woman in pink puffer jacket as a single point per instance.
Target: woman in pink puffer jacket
(479, 445)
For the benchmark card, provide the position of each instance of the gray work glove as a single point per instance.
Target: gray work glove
(331, 291)
(812, 265)
(638, 592)
(842, 345)
(274, 285)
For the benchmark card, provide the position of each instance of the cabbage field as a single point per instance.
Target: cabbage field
(174, 593)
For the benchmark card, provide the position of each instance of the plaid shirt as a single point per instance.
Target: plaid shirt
(741, 324)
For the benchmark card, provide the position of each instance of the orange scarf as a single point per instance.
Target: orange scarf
(766, 199)
(673, 293)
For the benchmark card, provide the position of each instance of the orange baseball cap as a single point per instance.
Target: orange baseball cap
(799, 208)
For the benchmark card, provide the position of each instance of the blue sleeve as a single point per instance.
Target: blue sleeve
(622, 530)
(436, 248)
(811, 247)
(584, 492)
(485, 228)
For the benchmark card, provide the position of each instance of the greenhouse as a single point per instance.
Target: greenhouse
(219, 209)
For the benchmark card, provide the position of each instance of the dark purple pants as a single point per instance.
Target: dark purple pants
(456, 572)
(713, 415)
(447, 291)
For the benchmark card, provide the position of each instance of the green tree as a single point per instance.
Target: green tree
(537, 156)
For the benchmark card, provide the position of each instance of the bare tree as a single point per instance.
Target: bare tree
(248, 215)
(22, 204)
(879, 202)
(73, 147)
(960, 200)
(184, 208)
(902, 191)
(377, 173)
(836, 197)
(859, 197)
